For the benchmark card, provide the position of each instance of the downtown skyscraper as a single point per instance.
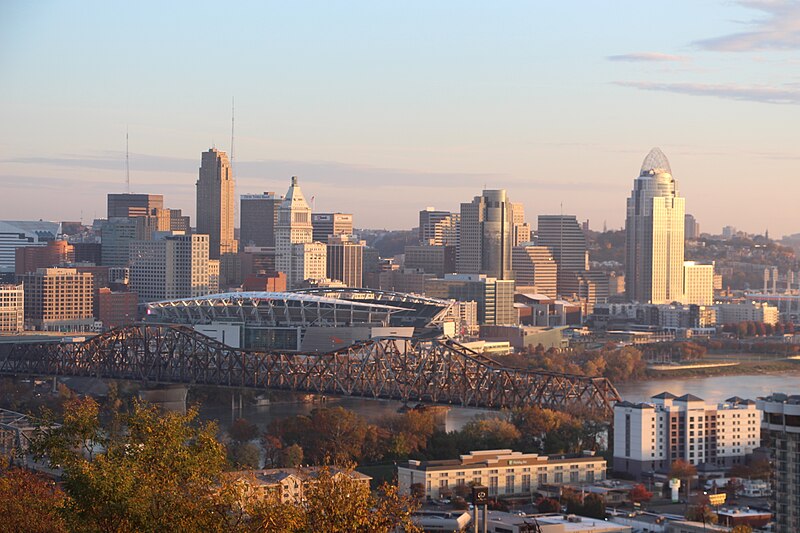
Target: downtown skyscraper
(215, 203)
(486, 236)
(654, 235)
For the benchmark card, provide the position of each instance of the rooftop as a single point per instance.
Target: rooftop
(655, 163)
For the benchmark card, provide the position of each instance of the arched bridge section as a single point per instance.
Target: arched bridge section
(428, 371)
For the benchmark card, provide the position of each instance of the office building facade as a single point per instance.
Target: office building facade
(698, 282)
(326, 224)
(171, 266)
(19, 233)
(486, 236)
(438, 228)
(345, 259)
(294, 227)
(259, 215)
(431, 259)
(654, 230)
(215, 203)
(12, 308)
(534, 266)
(495, 297)
(58, 299)
(133, 205)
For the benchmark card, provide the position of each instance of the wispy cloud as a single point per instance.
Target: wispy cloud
(778, 30)
(786, 94)
(638, 57)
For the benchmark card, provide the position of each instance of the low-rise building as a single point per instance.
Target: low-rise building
(502, 522)
(504, 472)
(289, 484)
(733, 313)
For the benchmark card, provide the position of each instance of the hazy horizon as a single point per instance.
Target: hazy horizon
(383, 109)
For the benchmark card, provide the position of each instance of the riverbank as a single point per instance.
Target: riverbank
(737, 368)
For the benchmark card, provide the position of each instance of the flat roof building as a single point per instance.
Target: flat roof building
(12, 308)
(58, 299)
(504, 472)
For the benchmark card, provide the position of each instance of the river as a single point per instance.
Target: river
(712, 389)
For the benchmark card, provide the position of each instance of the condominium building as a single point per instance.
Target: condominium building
(215, 203)
(534, 266)
(326, 224)
(259, 215)
(438, 228)
(486, 236)
(698, 282)
(782, 425)
(171, 266)
(733, 313)
(287, 484)
(521, 230)
(345, 259)
(504, 472)
(654, 234)
(58, 299)
(12, 308)
(650, 436)
(495, 297)
(18, 233)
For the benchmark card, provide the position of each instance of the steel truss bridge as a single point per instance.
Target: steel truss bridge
(427, 371)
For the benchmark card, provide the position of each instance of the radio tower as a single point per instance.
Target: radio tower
(127, 164)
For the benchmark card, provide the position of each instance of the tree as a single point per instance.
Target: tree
(161, 473)
(292, 456)
(594, 506)
(244, 455)
(639, 494)
(417, 490)
(742, 528)
(30, 503)
(702, 513)
(242, 430)
(684, 471)
(549, 505)
(491, 433)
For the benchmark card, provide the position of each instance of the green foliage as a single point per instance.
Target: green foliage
(244, 455)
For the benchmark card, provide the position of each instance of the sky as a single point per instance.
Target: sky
(383, 108)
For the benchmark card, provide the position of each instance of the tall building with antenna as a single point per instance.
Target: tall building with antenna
(215, 203)
(654, 234)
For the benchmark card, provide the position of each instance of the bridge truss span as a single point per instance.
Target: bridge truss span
(429, 371)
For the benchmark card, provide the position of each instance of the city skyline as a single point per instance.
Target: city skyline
(478, 98)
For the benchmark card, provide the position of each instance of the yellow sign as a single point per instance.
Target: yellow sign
(716, 499)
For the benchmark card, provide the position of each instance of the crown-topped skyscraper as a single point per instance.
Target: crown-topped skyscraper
(654, 234)
(215, 203)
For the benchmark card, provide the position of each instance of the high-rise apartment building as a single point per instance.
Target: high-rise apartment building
(486, 235)
(782, 425)
(170, 266)
(133, 205)
(438, 228)
(293, 228)
(259, 215)
(649, 437)
(345, 259)
(12, 308)
(698, 282)
(58, 299)
(117, 234)
(215, 203)
(326, 224)
(654, 234)
(534, 266)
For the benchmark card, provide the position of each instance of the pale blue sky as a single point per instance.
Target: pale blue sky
(384, 108)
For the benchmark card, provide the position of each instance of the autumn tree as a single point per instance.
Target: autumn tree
(702, 513)
(30, 503)
(243, 430)
(491, 433)
(639, 494)
(684, 471)
(549, 505)
(161, 473)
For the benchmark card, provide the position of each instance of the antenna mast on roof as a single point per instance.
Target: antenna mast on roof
(127, 163)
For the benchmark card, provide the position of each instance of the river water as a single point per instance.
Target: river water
(711, 389)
